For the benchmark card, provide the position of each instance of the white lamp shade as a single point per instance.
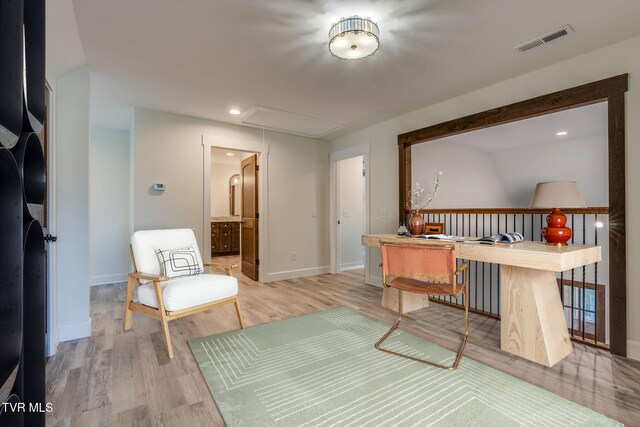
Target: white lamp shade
(557, 194)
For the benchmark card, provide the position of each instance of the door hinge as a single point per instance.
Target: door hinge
(257, 262)
(257, 168)
(257, 215)
(364, 172)
(50, 238)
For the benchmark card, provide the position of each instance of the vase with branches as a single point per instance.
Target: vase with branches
(418, 200)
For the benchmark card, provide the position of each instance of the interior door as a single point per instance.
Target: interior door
(249, 214)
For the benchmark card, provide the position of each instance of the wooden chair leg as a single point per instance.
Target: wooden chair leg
(167, 336)
(237, 304)
(128, 314)
(163, 317)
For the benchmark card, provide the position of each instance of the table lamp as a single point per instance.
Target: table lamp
(556, 195)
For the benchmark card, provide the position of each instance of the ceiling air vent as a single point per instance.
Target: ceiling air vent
(561, 32)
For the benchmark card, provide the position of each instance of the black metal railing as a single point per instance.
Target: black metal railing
(583, 291)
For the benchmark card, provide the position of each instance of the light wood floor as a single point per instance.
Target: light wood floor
(117, 378)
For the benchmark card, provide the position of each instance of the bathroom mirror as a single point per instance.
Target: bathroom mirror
(234, 194)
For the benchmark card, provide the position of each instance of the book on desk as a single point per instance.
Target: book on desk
(501, 238)
(487, 240)
(444, 237)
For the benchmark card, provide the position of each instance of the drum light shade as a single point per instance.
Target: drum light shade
(354, 38)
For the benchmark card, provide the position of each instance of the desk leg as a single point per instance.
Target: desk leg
(410, 301)
(532, 321)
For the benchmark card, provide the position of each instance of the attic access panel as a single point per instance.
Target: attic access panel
(286, 122)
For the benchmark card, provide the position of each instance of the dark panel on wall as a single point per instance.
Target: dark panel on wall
(32, 366)
(11, 67)
(11, 211)
(22, 184)
(11, 418)
(30, 160)
(34, 45)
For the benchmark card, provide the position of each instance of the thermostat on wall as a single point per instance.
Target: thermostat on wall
(159, 187)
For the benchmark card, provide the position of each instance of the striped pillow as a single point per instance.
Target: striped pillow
(179, 262)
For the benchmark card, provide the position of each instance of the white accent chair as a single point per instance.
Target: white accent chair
(167, 298)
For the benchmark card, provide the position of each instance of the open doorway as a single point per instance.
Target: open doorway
(350, 203)
(349, 208)
(234, 209)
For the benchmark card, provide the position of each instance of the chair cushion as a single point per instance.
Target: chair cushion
(187, 292)
(145, 243)
(179, 262)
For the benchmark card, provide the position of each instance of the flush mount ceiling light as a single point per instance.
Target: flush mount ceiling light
(562, 133)
(354, 38)
(230, 154)
(234, 111)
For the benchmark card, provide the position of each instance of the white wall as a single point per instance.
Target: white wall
(583, 160)
(109, 206)
(72, 191)
(220, 175)
(599, 64)
(469, 178)
(507, 178)
(351, 212)
(168, 148)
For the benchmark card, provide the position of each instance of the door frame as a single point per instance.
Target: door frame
(363, 150)
(51, 338)
(262, 150)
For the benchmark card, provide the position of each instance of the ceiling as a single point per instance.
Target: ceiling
(64, 50)
(582, 122)
(204, 57)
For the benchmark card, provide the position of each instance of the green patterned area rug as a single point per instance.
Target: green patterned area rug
(322, 369)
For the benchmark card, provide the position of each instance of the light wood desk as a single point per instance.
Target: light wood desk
(532, 323)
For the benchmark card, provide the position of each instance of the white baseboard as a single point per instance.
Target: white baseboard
(294, 274)
(74, 331)
(633, 349)
(351, 266)
(107, 279)
(375, 281)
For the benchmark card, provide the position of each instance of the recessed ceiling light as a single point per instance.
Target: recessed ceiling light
(562, 133)
(234, 112)
(230, 154)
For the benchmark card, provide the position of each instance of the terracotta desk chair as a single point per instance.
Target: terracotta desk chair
(427, 270)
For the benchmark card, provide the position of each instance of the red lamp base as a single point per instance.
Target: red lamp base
(555, 233)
